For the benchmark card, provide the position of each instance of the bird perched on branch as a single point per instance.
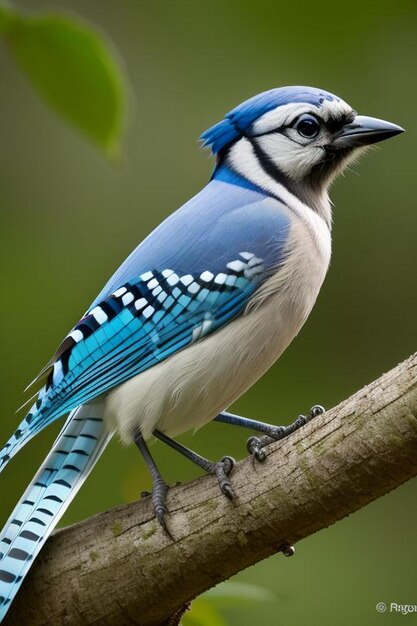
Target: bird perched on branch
(198, 312)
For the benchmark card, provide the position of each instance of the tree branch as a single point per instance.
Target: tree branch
(119, 568)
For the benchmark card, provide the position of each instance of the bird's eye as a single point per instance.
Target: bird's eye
(307, 126)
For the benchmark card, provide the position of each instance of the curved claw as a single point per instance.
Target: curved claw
(159, 494)
(227, 489)
(161, 514)
(259, 454)
(255, 448)
(252, 444)
(316, 410)
(223, 469)
(300, 421)
(228, 464)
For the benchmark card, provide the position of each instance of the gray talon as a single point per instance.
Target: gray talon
(253, 444)
(161, 513)
(259, 455)
(222, 469)
(159, 494)
(300, 421)
(316, 410)
(228, 464)
(227, 489)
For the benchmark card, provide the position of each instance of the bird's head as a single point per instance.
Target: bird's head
(301, 137)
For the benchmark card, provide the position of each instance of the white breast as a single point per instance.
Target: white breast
(193, 386)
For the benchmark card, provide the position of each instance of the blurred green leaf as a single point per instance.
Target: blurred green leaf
(204, 610)
(232, 593)
(73, 67)
(202, 613)
(5, 17)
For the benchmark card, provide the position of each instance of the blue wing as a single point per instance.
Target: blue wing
(191, 276)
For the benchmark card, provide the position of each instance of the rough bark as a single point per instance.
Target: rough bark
(119, 568)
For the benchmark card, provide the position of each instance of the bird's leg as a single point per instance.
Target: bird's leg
(159, 486)
(221, 469)
(272, 433)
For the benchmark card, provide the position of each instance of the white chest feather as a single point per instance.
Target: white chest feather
(193, 386)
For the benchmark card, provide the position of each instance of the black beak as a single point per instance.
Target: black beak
(364, 131)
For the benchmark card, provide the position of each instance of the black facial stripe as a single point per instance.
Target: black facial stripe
(285, 126)
(223, 154)
(300, 190)
(264, 160)
(271, 168)
(332, 125)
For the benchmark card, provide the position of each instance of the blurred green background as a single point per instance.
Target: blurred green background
(69, 217)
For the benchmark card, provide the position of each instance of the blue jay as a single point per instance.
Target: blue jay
(197, 312)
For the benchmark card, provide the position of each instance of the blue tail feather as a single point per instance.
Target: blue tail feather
(74, 454)
(41, 414)
(24, 432)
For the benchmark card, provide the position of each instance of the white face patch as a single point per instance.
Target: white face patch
(294, 159)
(293, 154)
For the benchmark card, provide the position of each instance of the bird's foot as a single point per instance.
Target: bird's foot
(222, 470)
(256, 445)
(159, 502)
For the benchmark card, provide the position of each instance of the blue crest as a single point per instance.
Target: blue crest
(238, 121)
